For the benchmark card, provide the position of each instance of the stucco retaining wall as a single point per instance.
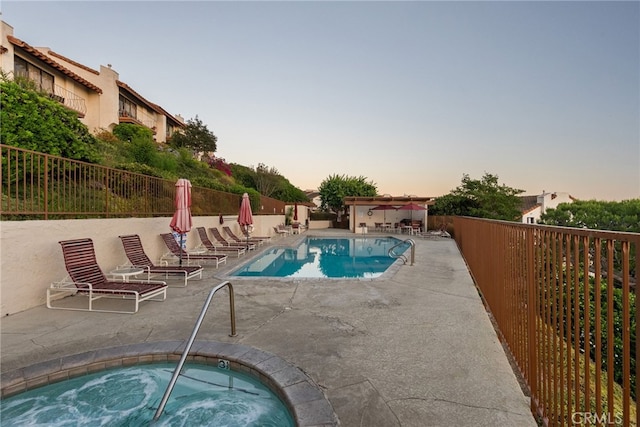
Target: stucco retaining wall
(31, 257)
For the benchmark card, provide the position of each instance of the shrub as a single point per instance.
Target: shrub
(130, 132)
(143, 151)
(35, 122)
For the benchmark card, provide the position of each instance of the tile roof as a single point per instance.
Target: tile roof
(528, 203)
(44, 58)
(142, 99)
(170, 116)
(71, 61)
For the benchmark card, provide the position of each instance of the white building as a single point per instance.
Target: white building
(534, 206)
(314, 197)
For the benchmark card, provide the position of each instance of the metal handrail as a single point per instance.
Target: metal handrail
(412, 243)
(192, 338)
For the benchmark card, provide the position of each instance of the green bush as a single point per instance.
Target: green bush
(140, 168)
(143, 151)
(167, 163)
(567, 292)
(130, 132)
(35, 122)
(207, 182)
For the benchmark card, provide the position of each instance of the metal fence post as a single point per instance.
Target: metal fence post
(531, 321)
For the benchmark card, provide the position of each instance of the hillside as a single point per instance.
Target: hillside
(31, 120)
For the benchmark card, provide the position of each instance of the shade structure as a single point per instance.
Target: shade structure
(245, 217)
(295, 211)
(181, 221)
(412, 207)
(384, 208)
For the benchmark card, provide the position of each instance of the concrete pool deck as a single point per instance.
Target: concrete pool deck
(413, 348)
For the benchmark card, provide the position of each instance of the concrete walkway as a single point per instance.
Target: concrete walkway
(413, 348)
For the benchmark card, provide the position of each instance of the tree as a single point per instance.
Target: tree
(483, 198)
(596, 215)
(289, 193)
(268, 182)
(196, 137)
(266, 179)
(335, 188)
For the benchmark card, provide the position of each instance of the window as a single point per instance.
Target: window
(42, 79)
(170, 131)
(127, 108)
(530, 220)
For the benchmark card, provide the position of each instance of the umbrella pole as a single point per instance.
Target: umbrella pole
(181, 249)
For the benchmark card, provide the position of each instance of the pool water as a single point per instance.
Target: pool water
(204, 395)
(321, 257)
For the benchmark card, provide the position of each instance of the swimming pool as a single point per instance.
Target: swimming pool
(321, 257)
(204, 395)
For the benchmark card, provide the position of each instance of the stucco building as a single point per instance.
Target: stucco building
(99, 98)
(534, 206)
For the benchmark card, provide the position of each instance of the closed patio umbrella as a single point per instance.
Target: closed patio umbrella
(245, 217)
(181, 221)
(295, 211)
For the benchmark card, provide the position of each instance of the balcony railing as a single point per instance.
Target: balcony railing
(140, 118)
(39, 186)
(565, 304)
(65, 97)
(69, 99)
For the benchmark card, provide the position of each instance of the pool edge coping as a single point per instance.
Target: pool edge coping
(303, 397)
(226, 274)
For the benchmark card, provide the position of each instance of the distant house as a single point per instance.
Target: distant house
(99, 98)
(534, 206)
(314, 197)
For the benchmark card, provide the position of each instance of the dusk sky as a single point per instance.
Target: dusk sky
(410, 95)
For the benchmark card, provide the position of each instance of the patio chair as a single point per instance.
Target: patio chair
(87, 279)
(224, 242)
(176, 252)
(281, 231)
(416, 227)
(138, 258)
(208, 244)
(238, 241)
(246, 234)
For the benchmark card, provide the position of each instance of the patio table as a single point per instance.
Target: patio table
(125, 272)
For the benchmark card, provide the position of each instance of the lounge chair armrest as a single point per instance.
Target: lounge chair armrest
(69, 285)
(147, 282)
(66, 284)
(169, 256)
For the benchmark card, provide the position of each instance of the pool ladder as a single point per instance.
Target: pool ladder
(411, 242)
(192, 338)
